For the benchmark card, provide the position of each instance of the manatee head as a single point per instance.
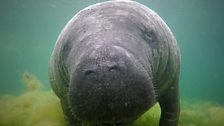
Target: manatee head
(109, 85)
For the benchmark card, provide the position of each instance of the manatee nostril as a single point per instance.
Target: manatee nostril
(113, 68)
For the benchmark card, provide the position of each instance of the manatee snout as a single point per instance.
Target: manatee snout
(112, 62)
(110, 85)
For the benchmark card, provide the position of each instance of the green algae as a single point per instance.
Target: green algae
(36, 107)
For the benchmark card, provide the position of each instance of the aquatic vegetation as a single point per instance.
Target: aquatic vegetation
(31, 82)
(198, 113)
(150, 118)
(36, 107)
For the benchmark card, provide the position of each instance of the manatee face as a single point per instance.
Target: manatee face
(109, 85)
(112, 62)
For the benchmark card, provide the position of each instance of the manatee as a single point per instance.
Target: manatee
(112, 62)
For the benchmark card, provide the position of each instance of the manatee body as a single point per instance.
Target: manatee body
(112, 62)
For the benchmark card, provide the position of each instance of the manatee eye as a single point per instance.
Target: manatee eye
(89, 72)
(149, 36)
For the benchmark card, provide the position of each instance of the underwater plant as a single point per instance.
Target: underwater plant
(33, 107)
(37, 107)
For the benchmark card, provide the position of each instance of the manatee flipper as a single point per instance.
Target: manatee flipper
(69, 118)
(170, 106)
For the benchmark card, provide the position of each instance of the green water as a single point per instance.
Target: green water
(29, 29)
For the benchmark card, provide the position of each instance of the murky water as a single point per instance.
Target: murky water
(29, 29)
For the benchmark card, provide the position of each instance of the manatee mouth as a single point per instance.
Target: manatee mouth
(113, 89)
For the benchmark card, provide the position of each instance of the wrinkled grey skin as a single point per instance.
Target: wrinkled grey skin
(112, 62)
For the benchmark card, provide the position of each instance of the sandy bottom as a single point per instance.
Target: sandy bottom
(36, 107)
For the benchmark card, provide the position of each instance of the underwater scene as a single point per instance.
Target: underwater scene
(30, 28)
